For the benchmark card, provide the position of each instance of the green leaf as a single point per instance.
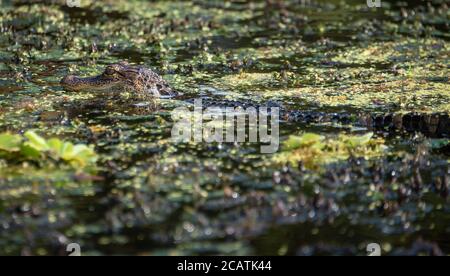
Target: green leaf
(67, 151)
(30, 152)
(357, 141)
(10, 142)
(78, 155)
(84, 155)
(293, 142)
(55, 145)
(36, 141)
(310, 138)
(61, 150)
(38, 148)
(306, 140)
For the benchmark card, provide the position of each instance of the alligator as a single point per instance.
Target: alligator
(120, 77)
(123, 76)
(435, 125)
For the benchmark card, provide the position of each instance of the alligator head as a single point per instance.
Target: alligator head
(120, 77)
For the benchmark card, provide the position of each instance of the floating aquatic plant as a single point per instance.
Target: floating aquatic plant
(36, 148)
(314, 150)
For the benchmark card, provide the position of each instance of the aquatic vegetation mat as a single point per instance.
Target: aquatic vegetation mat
(100, 169)
(312, 150)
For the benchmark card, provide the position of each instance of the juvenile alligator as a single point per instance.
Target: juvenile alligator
(122, 76)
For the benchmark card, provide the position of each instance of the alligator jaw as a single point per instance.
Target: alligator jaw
(99, 83)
